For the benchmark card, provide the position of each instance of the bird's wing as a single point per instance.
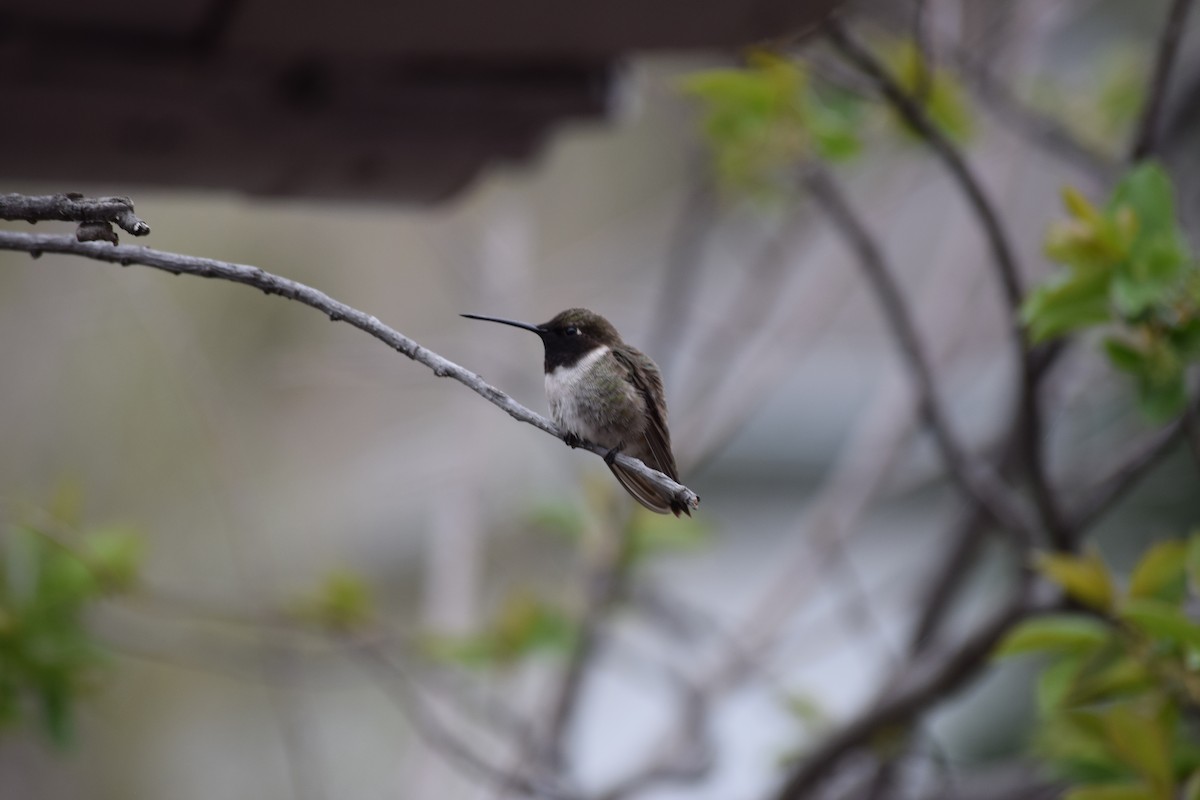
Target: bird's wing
(644, 375)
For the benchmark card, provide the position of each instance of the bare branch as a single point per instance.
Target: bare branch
(973, 476)
(1122, 477)
(607, 577)
(1146, 141)
(1002, 256)
(928, 687)
(72, 207)
(1039, 129)
(36, 244)
(439, 739)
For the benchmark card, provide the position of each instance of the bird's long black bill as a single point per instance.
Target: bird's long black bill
(503, 321)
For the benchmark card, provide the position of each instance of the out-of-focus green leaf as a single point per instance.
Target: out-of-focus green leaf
(936, 89)
(1125, 356)
(1162, 621)
(1108, 679)
(1066, 304)
(524, 626)
(1122, 89)
(341, 603)
(1055, 683)
(1084, 577)
(1160, 573)
(1114, 791)
(1127, 265)
(657, 533)
(1071, 633)
(114, 555)
(1136, 736)
(1075, 743)
(762, 119)
(565, 519)
(1192, 561)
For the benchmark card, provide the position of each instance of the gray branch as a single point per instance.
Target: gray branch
(95, 215)
(973, 476)
(1005, 261)
(1146, 142)
(268, 283)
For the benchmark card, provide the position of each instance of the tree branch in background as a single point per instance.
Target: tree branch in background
(1039, 129)
(95, 216)
(1146, 141)
(436, 736)
(36, 244)
(974, 477)
(930, 684)
(606, 580)
(1002, 255)
(1125, 474)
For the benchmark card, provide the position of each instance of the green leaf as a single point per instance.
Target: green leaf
(1067, 304)
(1113, 791)
(114, 555)
(936, 89)
(1055, 682)
(1147, 190)
(1163, 396)
(1125, 356)
(1069, 633)
(343, 602)
(1192, 561)
(1162, 621)
(1084, 577)
(1120, 675)
(1160, 573)
(1137, 737)
(656, 533)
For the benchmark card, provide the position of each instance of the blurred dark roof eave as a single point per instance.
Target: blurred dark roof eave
(357, 99)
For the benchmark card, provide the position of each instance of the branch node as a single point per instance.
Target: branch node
(96, 231)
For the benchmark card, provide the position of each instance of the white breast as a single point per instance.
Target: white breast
(562, 390)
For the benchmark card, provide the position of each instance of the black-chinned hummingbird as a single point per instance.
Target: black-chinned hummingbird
(602, 390)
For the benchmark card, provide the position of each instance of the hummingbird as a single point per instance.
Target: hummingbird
(602, 390)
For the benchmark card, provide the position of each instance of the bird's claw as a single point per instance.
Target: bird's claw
(572, 441)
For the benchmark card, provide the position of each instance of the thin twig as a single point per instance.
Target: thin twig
(1146, 141)
(1038, 128)
(268, 283)
(1124, 476)
(439, 739)
(1002, 256)
(973, 476)
(72, 207)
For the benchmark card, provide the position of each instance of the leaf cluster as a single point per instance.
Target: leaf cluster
(1128, 269)
(48, 656)
(1122, 676)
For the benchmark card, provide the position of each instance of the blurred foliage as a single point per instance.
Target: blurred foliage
(1129, 269)
(524, 626)
(342, 603)
(936, 90)
(762, 119)
(604, 510)
(1118, 693)
(1102, 109)
(50, 575)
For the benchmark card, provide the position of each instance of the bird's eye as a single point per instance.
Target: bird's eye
(571, 331)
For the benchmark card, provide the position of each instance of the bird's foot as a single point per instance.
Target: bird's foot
(611, 455)
(572, 440)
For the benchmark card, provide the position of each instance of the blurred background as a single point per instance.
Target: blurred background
(345, 563)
